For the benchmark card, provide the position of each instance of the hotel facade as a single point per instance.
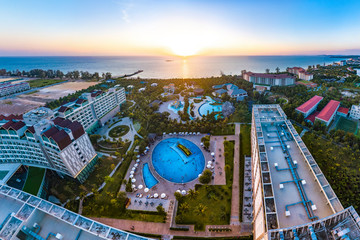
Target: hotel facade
(291, 197)
(268, 79)
(42, 140)
(93, 109)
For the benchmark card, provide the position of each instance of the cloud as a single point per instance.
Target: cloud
(125, 7)
(125, 15)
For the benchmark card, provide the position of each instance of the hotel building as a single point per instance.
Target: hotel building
(301, 73)
(7, 88)
(93, 109)
(355, 112)
(24, 216)
(42, 140)
(291, 197)
(269, 79)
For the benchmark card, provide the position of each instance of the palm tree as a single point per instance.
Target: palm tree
(184, 207)
(192, 193)
(267, 71)
(201, 209)
(277, 69)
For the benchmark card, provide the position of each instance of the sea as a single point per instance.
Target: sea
(165, 67)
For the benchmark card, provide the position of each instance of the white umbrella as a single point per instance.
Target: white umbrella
(156, 195)
(212, 154)
(174, 133)
(136, 165)
(163, 195)
(132, 172)
(209, 162)
(133, 180)
(138, 156)
(147, 147)
(198, 133)
(179, 191)
(140, 186)
(199, 175)
(133, 186)
(201, 144)
(133, 169)
(131, 175)
(146, 190)
(183, 192)
(208, 166)
(164, 133)
(170, 134)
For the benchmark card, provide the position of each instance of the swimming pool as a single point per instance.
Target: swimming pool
(171, 163)
(208, 108)
(149, 179)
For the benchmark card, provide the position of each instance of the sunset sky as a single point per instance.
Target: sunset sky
(180, 27)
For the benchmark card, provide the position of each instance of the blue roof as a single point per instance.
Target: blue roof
(218, 86)
(240, 98)
(221, 91)
(238, 91)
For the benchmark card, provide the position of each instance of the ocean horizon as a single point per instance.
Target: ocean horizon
(164, 67)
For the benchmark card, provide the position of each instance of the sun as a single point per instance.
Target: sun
(184, 46)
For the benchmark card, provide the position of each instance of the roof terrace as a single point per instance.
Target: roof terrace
(295, 190)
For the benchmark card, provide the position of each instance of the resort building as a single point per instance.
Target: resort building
(307, 84)
(232, 90)
(42, 140)
(93, 109)
(6, 88)
(301, 73)
(355, 112)
(291, 197)
(342, 111)
(24, 216)
(170, 89)
(329, 111)
(269, 79)
(309, 106)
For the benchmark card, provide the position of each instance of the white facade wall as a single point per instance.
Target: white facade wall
(355, 112)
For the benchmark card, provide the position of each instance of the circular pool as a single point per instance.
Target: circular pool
(208, 108)
(178, 160)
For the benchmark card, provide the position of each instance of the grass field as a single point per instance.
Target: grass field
(43, 82)
(347, 125)
(34, 180)
(245, 150)
(228, 130)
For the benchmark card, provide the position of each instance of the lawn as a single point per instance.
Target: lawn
(298, 129)
(245, 150)
(228, 130)
(119, 131)
(43, 82)
(347, 125)
(210, 204)
(34, 180)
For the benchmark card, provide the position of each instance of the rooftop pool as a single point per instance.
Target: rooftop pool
(148, 177)
(173, 164)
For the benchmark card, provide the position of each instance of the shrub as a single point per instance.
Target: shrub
(205, 177)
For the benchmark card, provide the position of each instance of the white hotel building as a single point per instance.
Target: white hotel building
(355, 112)
(41, 140)
(291, 197)
(93, 109)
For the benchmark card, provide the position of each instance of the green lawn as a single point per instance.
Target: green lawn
(43, 82)
(228, 130)
(119, 131)
(347, 125)
(297, 128)
(34, 180)
(245, 149)
(211, 204)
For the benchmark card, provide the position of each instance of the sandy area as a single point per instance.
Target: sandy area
(26, 102)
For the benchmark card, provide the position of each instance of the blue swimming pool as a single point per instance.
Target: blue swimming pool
(149, 179)
(208, 108)
(171, 163)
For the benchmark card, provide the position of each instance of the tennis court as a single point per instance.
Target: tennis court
(347, 125)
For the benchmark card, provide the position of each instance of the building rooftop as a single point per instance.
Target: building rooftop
(312, 116)
(328, 110)
(295, 190)
(343, 110)
(270, 75)
(27, 215)
(305, 107)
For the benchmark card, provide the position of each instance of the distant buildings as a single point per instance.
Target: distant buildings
(7, 88)
(327, 114)
(355, 112)
(154, 85)
(43, 140)
(301, 73)
(291, 197)
(198, 91)
(232, 90)
(169, 89)
(268, 79)
(307, 84)
(309, 106)
(93, 109)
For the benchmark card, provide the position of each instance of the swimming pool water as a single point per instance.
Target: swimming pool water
(207, 108)
(173, 165)
(149, 179)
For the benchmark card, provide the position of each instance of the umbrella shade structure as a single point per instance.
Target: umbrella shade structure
(138, 156)
(140, 186)
(164, 133)
(201, 144)
(136, 165)
(132, 172)
(199, 175)
(133, 180)
(179, 191)
(138, 160)
(212, 154)
(183, 192)
(208, 166)
(146, 190)
(131, 175)
(133, 169)
(209, 162)
(156, 195)
(163, 195)
(133, 186)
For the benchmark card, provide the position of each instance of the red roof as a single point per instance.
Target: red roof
(305, 107)
(312, 116)
(343, 110)
(328, 111)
